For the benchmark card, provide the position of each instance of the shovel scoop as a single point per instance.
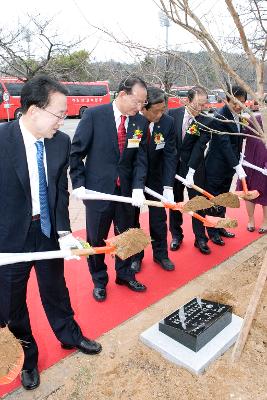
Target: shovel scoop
(226, 199)
(124, 245)
(11, 356)
(247, 194)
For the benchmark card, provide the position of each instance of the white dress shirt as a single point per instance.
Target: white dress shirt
(151, 127)
(31, 152)
(237, 121)
(188, 118)
(117, 115)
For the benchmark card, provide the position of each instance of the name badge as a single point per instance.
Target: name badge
(160, 146)
(133, 143)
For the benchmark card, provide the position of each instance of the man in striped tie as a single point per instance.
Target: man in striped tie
(34, 158)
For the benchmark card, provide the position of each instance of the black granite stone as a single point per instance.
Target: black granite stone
(197, 322)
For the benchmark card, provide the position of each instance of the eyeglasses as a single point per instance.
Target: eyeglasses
(138, 103)
(61, 117)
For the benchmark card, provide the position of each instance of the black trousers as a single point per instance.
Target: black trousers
(216, 186)
(53, 291)
(176, 218)
(157, 229)
(98, 223)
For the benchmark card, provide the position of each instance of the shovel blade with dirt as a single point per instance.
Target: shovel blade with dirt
(124, 245)
(217, 222)
(11, 356)
(247, 194)
(228, 199)
(212, 222)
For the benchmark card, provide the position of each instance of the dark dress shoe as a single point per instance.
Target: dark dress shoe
(262, 230)
(136, 266)
(99, 294)
(133, 284)
(165, 263)
(223, 232)
(251, 228)
(86, 346)
(30, 378)
(175, 244)
(202, 246)
(216, 239)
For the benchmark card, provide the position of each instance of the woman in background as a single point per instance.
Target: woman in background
(256, 153)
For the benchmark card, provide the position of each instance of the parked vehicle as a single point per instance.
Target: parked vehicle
(10, 89)
(252, 104)
(213, 103)
(178, 96)
(175, 102)
(82, 95)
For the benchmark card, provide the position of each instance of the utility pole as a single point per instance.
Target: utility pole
(165, 22)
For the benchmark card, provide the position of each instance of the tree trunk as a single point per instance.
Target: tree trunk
(259, 69)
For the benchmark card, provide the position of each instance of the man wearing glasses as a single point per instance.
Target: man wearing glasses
(34, 157)
(112, 138)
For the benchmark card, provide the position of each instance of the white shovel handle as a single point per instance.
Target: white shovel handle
(252, 166)
(155, 194)
(181, 179)
(92, 195)
(12, 258)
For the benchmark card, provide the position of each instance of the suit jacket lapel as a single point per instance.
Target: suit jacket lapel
(111, 127)
(17, 152)
(180, 127)
(229, 116)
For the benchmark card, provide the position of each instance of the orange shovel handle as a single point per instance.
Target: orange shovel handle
(202, 219)
(200, 190)
(104, 249)
(93, 250)
(244, 185)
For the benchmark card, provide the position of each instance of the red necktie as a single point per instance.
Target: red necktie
(122, 133)
(121, 138)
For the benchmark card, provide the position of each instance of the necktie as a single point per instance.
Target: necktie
(237, 121)
(43, 196)
(122, 133)
(186, 122)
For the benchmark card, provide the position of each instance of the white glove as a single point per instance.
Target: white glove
(168, 194)
(69, 242)
(138, 197)
(240, 171)
(78, 193)
(190, 177)
(265, 171)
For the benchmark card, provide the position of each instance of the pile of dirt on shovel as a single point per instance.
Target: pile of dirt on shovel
(10, 351)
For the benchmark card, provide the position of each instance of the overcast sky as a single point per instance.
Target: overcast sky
(136, 19)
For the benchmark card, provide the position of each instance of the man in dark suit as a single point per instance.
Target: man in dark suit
(223, 156)
(160, 175)
(32, 216)
(192, 136)
(112, 138)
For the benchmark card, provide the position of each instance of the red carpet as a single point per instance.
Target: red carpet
(97, 318)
